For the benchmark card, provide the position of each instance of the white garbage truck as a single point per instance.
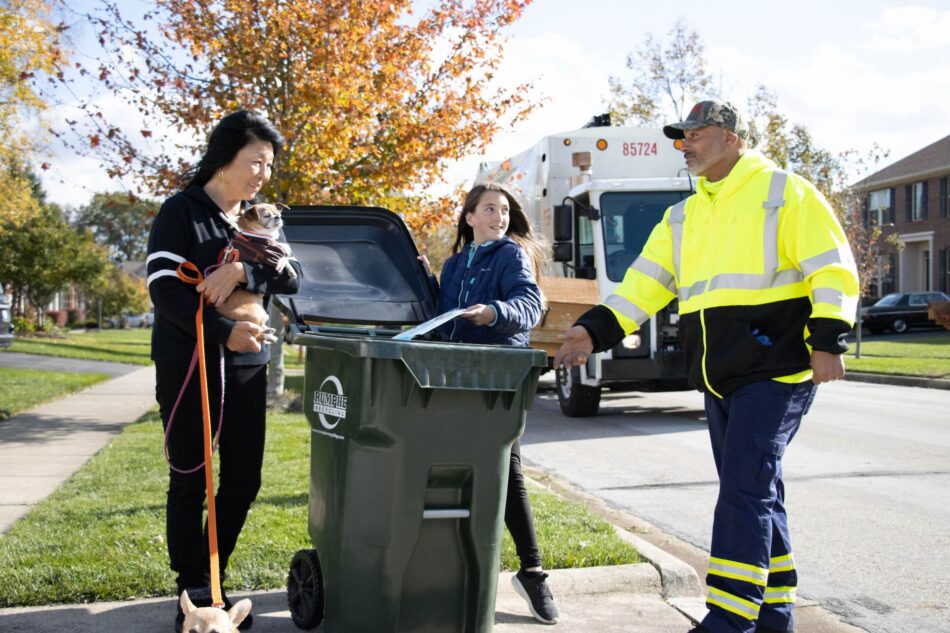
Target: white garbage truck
(595, 194)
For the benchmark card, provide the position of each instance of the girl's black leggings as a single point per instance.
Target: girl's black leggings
(518, 513)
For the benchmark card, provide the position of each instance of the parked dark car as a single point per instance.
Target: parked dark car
(6, 327)
(900, 311)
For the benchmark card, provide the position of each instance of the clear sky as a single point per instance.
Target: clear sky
(853, 72)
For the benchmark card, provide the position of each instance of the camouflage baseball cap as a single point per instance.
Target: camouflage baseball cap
(712, 112)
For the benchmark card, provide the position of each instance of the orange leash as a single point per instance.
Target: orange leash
(190, 274)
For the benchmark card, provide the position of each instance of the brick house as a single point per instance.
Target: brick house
(910, 198)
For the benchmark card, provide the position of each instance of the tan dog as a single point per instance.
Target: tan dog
(212, 619)
(260, 226)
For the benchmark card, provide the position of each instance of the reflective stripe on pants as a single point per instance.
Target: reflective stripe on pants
(749, 430)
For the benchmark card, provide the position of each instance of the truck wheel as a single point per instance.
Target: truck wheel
(900, 326)
(305, 589)
(577, 400)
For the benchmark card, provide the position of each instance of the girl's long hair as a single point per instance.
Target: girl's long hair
(519, 229)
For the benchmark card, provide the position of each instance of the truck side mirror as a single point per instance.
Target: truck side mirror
(563, 223)
(563, 251)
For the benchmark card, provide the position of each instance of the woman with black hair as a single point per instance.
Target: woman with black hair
(194, 225)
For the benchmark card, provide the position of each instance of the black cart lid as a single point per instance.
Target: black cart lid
(359, 266)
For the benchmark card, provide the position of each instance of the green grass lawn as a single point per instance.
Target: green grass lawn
(927, 355)
(21, 389)
(101, 535)
(119, 346)
(293, 359)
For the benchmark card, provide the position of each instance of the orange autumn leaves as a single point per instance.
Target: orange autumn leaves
(373, 99)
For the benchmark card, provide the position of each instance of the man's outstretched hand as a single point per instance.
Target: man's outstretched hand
(576, 348)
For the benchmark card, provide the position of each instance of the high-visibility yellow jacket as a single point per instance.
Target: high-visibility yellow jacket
(762, 272)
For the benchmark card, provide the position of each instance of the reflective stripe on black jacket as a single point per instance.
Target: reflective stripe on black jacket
(191, 227)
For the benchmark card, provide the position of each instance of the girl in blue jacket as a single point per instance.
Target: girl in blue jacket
(496, 259)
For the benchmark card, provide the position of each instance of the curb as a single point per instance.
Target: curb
(677, 579)
(637, 578)
(900, 381)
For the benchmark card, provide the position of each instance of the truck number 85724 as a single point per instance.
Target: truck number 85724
(639, 149)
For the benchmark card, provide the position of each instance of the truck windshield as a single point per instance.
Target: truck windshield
(628, 219)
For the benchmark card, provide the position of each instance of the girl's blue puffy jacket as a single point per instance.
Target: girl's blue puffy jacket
(499, 274)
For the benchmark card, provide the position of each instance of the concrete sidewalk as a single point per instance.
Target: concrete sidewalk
(43, 447)
(604, 599)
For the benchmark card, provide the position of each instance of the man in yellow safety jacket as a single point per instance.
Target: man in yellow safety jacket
(767, 290)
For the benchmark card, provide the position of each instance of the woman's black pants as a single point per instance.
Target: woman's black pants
(241, 454)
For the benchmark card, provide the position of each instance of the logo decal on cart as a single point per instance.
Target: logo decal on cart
(330, 403)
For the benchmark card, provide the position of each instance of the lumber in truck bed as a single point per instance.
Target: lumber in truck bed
(568, 298)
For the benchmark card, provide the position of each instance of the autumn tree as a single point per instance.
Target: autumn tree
(29, 46)
(373, 100)
(668, 77)
(120, 222)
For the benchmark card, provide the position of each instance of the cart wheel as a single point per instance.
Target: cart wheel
(576, 400)
(305, 589)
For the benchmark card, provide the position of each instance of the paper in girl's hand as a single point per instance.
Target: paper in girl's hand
(428, 326)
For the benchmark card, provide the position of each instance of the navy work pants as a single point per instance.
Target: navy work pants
(751, 576)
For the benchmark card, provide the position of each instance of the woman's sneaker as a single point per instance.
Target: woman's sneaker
(532, 586)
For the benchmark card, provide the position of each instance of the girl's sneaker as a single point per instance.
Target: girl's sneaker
(532, 586)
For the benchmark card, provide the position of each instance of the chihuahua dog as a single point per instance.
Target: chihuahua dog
(256, 242)
(212, 619)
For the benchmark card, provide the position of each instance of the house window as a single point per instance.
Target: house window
(944, 202)
(945, 270)
(880, 208)
(917, 201)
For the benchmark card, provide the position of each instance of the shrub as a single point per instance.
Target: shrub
(24, 324)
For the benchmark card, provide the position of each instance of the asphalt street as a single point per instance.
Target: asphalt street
(867, 480)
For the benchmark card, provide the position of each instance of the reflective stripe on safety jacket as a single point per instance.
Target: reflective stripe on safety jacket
(749, 267)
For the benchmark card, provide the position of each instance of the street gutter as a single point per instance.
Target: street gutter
(901, 381)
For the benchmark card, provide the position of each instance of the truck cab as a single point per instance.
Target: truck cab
(612, 221)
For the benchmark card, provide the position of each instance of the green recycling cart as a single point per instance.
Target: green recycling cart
(410, 443)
